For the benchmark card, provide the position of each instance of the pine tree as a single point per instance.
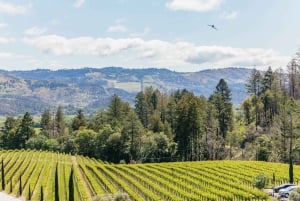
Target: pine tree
(10, 137)
(141, 108)
(222, 101)
(253, 85)
(188, 127)
(267, 80)
(71, 186)
(115, 109)
(59, 121)
(46, 123)
(294, 82)
(78, 121)
(25, 130)
(131, 135)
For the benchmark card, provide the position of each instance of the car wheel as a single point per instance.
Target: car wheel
(286, 195)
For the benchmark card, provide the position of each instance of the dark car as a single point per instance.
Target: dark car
(277, 188)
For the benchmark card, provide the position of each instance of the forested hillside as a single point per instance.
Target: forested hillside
(176, 126)
(91, 88)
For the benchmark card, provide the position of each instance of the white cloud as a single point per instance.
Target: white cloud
(12, 9)
(6, 55)
(5, 40)
(159, 53)
(229, 56)
(78, 3)
(229, 15)
(194, 5)
(35, 31)
(117, 28)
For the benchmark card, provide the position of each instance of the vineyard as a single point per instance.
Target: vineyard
(31, 174)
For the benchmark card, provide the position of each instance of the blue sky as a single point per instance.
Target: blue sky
(171, 34)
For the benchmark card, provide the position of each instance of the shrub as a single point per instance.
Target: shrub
(295, 195)
(260, 181)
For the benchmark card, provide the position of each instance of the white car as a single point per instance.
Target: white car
(286, 191)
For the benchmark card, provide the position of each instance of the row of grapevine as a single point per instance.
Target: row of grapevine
(31, 175)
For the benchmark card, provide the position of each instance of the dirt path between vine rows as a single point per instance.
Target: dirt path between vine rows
(6, 197)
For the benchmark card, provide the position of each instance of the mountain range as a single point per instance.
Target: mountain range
(91, 88)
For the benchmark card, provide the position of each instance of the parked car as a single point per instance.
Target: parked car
(277, 188)
(285, 192)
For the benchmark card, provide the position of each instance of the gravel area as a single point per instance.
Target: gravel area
(6, 197)
(275, 197)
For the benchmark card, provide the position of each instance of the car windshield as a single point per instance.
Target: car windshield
(291, 187)
(284, 185)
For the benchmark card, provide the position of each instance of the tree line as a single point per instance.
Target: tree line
(160, 127)
(178, 126)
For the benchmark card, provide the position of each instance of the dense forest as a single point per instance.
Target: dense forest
(177, 127)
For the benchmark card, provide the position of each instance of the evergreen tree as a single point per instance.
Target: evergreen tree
(269, 97)
(267, 81)
(78, 121)
(131, 135)
(154, 100)
(156, 125)
(253, 85)
(60, 121)
(188, 127)
(115, 108)
(222, 101)
(212, 140)
(25, 130)
(99, 121)
(85, 141)
(141, 108)
(9, 133)
(46, 123)
(254, 88)
(247, 109)
(294, 81)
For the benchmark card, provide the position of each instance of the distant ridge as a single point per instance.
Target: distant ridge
(91, 88)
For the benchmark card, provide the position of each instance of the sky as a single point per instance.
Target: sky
(172, 34)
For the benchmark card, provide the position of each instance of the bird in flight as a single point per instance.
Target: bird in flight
(213, 26)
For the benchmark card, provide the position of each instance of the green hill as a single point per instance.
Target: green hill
(91, 88)
(207, 180)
